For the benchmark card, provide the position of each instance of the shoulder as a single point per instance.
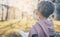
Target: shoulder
(37, 26)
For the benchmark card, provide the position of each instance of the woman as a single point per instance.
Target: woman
(44, 27)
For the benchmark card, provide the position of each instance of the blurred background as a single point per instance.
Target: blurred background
(17, 17)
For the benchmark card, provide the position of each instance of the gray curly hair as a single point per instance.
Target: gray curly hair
(46, 8)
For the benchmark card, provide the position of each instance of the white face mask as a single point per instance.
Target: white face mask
(36, 16)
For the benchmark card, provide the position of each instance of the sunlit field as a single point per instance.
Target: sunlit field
(14, 26)
(7, 27)
(57, 26)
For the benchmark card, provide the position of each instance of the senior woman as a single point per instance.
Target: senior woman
(44, 27)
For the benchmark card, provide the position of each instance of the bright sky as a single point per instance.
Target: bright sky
(25, 5)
